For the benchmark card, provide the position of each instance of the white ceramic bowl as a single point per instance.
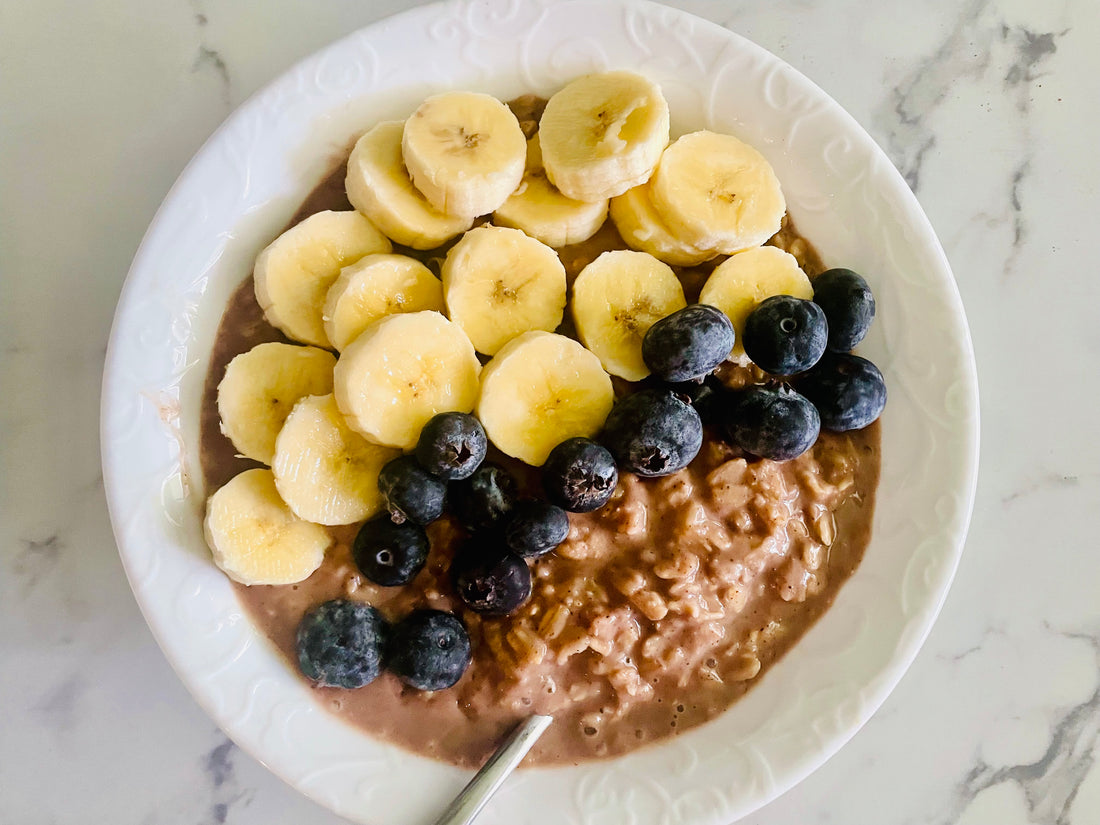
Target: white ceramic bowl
(845, 196)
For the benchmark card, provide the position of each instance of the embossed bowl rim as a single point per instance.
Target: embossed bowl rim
(844, 194)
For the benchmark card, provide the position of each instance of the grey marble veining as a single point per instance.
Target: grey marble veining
(989, 108)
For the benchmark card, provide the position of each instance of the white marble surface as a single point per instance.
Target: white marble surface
(989, 107)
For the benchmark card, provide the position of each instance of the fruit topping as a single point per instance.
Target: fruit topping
(341, 643)
(390, 554)
(603, 134)
(324, 471)
(464, 151)
(616, 299)
(535, 527)
(485, 498)
(785, 335)
(452, 445)
(776, 423)
(499, 283)
(689, 343)
(295, 272)
(410, 492)
(848, 391)
(403, 370)
(544, 213)
(489, 579)
(429, 650)
(848, 304)
(374, 287)
(255, 538)
(717, 192)
(653, 433)
(580, 475)
(742, 281)
(539, 390)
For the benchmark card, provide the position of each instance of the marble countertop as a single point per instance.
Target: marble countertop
(990, 108)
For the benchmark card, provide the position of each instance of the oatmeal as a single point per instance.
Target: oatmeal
(658, 611)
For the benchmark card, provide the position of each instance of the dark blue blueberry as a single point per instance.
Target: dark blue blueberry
(707, 396)
(848, 391)
(535, 527)
(488, 578)
(848, 304)
(485, 498)
(580, 475)
(772, 423)
(340, 643)
(785, 335)
(689, 343)
(452, 445)
(653, 433)
(429, 650)
(410, 492)
(390, 554)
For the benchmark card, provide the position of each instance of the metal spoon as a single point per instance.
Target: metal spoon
(473, 797)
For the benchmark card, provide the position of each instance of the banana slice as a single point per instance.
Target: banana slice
(294, 273)
(498, 283)
(538, 391)
(254, 536)
(643, 229)
(616, 299)
(403, 370)
(742, 281)
(544, 213)
(464, 151)
(374, 287)
(603, 134)
(379, 186)
(324, 472)
(261, 387)
(716, 192)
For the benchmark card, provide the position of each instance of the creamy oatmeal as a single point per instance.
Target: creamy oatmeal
(659, 610)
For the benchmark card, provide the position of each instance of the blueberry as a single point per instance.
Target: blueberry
(410, 492)
(452, 445)
(429, 650)
(848, 304)
(706, 396)
(689, 343)
(535, 527)
(390, 554)
(580, 475)
(848, 391)
(785, 335)
(490, 579)
(485, 498)
(653, 432)
(772, 423)
(340, 643)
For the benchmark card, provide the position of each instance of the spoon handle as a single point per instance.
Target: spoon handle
(473, 797)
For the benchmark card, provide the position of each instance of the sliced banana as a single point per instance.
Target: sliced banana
(742, 281)
(325, 472)
(374, 287)
(403, 370)
(539, 390)
(261, 387)
(294, 273)
(379, 186)
(616, 299)
(603, 134)
(499, 283)
(544, 213)
(254, 536)
(717, 192)
(464, 151)
(643, 229)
